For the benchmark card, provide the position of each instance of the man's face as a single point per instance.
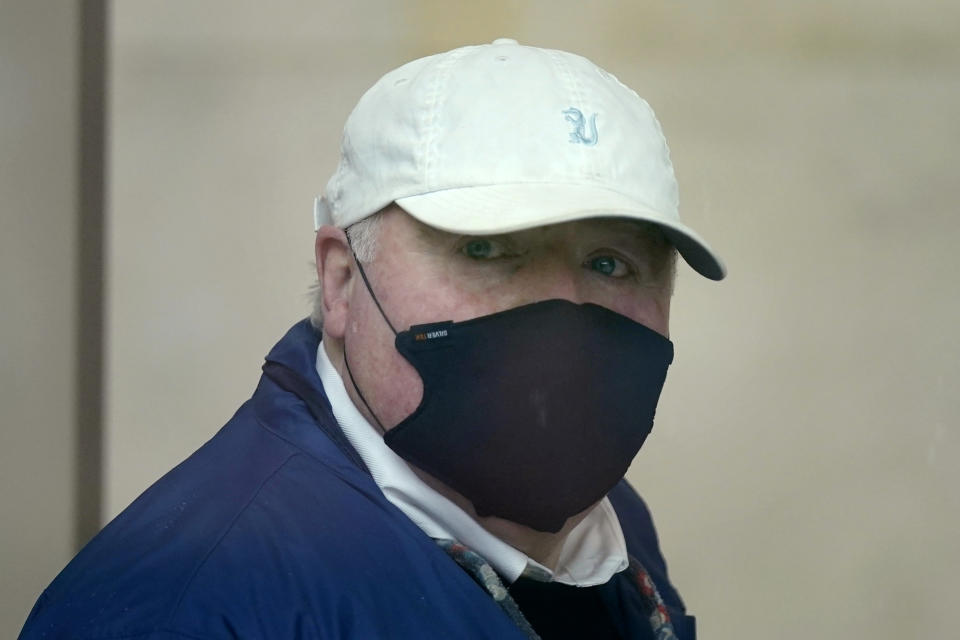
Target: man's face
(422, 275)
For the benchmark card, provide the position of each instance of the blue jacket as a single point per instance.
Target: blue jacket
(275, 529)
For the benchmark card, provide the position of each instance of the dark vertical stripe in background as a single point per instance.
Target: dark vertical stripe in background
(91, 269)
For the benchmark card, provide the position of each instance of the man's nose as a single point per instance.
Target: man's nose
(550, 279)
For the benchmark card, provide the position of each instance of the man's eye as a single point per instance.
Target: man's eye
(483, 249)
(608, 266)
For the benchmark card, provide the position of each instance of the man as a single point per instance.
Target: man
(439, 452)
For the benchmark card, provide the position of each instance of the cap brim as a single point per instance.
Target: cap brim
(485, 210)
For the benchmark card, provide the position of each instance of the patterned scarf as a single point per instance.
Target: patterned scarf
(484, 575)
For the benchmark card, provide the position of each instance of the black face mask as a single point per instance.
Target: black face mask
(534, 413)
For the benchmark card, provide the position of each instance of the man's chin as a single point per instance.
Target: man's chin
(542, 546)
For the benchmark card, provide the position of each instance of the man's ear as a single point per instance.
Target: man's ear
(335, 274)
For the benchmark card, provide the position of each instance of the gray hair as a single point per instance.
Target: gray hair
(363, 239)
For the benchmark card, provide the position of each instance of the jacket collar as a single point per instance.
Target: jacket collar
(303, 415)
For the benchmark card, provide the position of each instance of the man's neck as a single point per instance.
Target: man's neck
(542, 546)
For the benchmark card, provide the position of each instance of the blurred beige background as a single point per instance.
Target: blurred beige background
(805, 464)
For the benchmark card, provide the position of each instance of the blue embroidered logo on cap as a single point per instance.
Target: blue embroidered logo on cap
(578, 135)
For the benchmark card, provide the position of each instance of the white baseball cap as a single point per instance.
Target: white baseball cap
(502, 137)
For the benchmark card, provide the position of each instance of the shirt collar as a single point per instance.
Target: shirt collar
(593, 551)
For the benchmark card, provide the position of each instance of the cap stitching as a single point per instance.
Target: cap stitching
(436, 99)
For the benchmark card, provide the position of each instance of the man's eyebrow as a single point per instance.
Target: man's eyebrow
(432, 236)
(640, 230)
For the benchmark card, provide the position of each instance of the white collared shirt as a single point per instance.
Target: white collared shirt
(592, 553)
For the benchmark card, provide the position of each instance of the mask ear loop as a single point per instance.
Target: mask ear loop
(366, 282)
(346, 361)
